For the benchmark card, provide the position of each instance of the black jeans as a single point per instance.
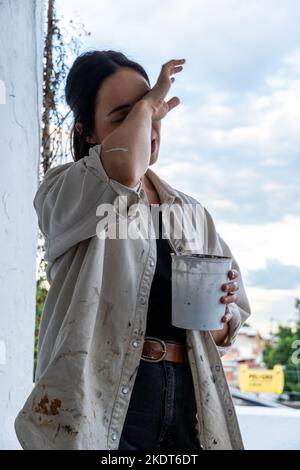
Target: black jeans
(162, 410)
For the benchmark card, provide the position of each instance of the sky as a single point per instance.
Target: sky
(233, 142)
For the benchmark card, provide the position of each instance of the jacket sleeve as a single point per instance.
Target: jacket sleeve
(241, 309)
(67, 200)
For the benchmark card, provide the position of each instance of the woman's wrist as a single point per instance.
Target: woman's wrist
(146, 104)
(220, 336)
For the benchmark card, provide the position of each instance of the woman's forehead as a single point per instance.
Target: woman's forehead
(125, 87)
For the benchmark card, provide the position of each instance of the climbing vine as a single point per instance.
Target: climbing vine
(62, 43)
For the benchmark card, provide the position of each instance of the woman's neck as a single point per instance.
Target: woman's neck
(150, 190)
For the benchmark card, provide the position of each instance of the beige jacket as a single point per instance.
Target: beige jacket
(94, 318)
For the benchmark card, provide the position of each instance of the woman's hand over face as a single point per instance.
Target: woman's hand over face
(156, 96)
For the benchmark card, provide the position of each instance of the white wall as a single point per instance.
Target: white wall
(20, 112)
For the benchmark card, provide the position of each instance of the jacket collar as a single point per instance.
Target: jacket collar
(167, 194)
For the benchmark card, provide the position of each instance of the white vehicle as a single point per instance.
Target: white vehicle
(266, 425)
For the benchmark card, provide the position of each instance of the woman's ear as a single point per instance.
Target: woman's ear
(78, 127)
(89, 139)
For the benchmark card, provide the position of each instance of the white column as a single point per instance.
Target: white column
(21, 45)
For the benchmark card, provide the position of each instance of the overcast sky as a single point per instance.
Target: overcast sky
(233, 143)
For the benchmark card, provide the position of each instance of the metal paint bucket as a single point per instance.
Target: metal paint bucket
(196, 290)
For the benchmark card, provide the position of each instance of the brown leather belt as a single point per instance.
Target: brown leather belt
(156, 350)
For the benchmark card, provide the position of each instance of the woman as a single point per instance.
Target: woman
(112, 372)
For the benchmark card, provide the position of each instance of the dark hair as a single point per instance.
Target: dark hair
(83, 81)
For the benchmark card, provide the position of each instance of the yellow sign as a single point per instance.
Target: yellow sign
(261, 380)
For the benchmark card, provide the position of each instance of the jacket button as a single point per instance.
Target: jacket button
(114, 436)
(152, 263)
(125, 390)
(135, 343)
(180, 248)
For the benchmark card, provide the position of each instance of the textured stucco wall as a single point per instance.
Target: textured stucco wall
(21, 23)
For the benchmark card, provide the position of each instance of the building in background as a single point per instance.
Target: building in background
(248, 349)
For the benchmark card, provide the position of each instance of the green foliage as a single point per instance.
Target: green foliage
(281, 352)
(41, 293)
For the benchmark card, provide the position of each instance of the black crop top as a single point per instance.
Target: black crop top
(160, 301)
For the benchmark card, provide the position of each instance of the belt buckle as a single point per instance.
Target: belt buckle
(164, 351)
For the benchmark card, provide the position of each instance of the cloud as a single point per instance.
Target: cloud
(271, 307)
(254, 244)
(229, 44)
(275, 275)
(244, 150)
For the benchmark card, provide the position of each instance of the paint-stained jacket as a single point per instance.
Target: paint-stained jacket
(94, 318)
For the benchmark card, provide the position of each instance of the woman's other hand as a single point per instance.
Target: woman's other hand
(229, 287)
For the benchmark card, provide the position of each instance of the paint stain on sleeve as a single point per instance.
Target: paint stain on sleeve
(45, 407)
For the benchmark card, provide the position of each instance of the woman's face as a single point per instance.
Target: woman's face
(125, 87)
